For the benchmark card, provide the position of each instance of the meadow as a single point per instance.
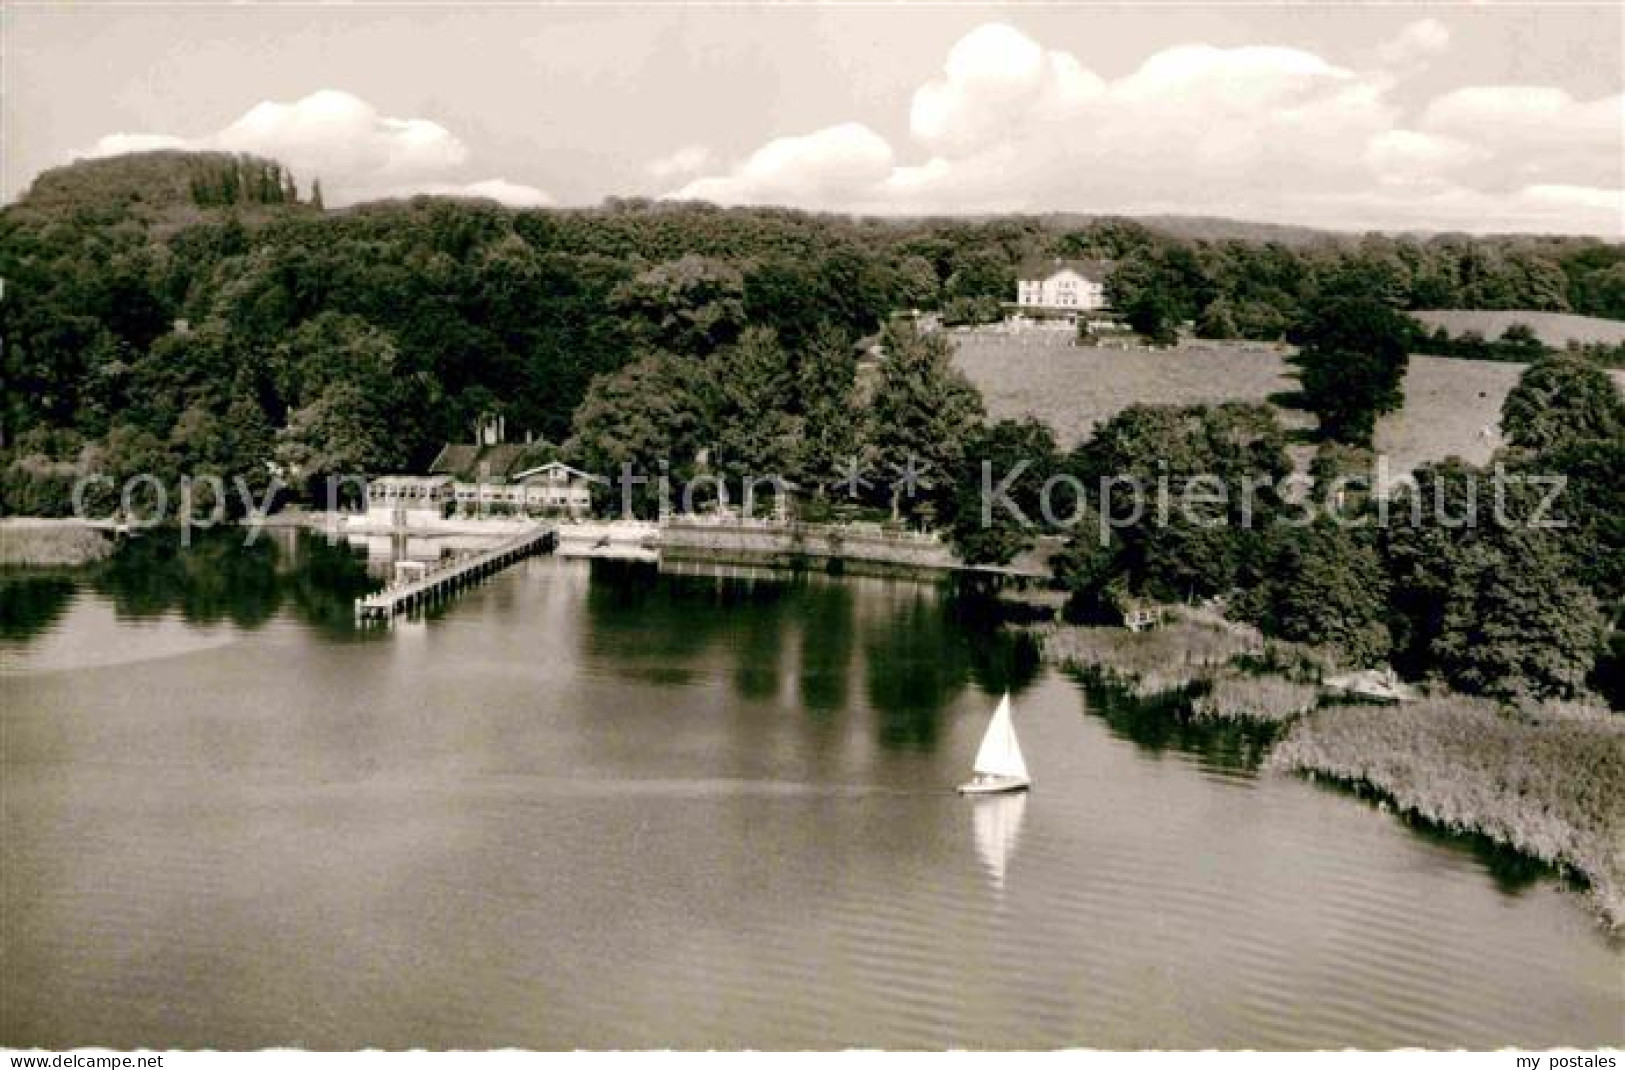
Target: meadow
(1556, 329)
(1452, 406)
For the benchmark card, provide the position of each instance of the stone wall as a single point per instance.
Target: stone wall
(820, 547)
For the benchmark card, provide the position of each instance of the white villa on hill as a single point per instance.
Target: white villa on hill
(1062, 286)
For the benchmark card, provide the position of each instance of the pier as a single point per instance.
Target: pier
(445, 579)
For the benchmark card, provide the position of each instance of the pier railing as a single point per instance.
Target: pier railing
(447, 578)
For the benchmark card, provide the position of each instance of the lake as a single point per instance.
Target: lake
(590, 804)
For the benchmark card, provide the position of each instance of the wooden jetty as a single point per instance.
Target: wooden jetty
(446, 578)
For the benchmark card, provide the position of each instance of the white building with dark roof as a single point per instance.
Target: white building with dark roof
(1062, 286)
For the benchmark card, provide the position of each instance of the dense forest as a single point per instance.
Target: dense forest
(153, 299)
(175, 313)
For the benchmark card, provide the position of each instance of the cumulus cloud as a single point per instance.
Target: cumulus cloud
(1406, 157)
(1537, 133)
(996, 76)
(512, 194)
(357, 152)
(1417, 43)
(688, 160)
(1262, 131)
(118, 144)
(824, 167)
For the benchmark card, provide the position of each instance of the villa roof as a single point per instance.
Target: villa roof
(498, 463)
(1040, 267)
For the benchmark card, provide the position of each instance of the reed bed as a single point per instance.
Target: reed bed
(1550, 783)
(1160, 661)
(30, 543)
(1223, 670)
(1236, 697)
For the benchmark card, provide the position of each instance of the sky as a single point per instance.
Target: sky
(1481, 117)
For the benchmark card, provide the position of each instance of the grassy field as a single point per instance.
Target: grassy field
(1072, 389)
(1452, 407)
(1556, 329)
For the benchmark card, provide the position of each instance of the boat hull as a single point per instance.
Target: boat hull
(994, 785)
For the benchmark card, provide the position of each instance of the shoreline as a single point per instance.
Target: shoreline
(53, 542)
(1547, 783)
(1550, 786)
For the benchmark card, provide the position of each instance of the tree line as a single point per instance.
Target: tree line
(155, 322)
(1506, 579)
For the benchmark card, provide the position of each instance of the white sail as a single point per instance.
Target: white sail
(1000, 753)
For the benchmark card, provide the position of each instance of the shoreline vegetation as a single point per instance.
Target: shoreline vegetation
(47, 542)
(182, 315)
(1548, 782)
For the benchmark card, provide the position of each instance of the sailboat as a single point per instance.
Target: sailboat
(999, 765)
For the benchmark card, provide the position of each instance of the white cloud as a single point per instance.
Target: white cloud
(512, 194)
(357, 152)
(1250, 77)
(825, 167)
(344, 134)
(1537, 133)
(686, 161)
(1257, 131)
(1403, 157)
(1415, 44)
(996, 76)
(118, 144)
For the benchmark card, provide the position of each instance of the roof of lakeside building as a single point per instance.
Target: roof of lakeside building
(550, 466)
(499, 463)
(413, 481)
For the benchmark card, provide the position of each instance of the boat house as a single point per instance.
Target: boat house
(409, 501)
(513, 478)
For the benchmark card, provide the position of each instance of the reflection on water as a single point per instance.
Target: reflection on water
(156, 598)
(221, 578)
(996, 821)
(31, 603)
(917, 651)
(1158, 723)
(588, 804)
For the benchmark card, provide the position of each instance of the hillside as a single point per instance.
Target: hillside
(165, 187)
(1074, 389)
(1204, 228)
(1555, 329)
(1452, 407)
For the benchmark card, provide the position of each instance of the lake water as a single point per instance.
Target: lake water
(592, 805)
